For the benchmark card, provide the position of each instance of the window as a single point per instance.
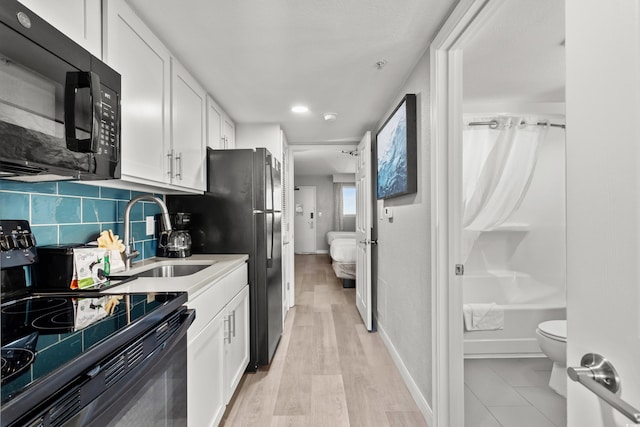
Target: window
(348, 201)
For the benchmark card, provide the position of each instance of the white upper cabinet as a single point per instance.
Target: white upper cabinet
(163, 106)
(215, 117)
(144, 63)
(229, 133)
(188, 100)
(221, 131)
(77, 19)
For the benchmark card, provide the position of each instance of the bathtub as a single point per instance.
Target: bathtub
(526, 303)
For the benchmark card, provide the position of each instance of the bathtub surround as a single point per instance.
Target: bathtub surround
(521, 264)
(68, 212)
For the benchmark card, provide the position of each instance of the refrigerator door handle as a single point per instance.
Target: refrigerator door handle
(270, 241)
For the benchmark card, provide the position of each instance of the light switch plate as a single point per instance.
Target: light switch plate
(151, 225)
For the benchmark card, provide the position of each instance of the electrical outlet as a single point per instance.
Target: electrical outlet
(151, 225)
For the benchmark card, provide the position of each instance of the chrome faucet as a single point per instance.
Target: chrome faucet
(130, 253)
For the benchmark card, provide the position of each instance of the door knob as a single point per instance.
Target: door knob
(598, 375)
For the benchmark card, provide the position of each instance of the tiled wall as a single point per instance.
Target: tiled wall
(69, 212)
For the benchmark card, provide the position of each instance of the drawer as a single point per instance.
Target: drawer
(212, 298)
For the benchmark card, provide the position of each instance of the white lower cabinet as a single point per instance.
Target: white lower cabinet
(205, 394)
(218, 347)
(236, 356)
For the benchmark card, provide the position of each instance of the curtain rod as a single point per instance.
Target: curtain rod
(493, 124)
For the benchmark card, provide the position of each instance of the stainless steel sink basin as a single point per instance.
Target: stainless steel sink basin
(173, 270)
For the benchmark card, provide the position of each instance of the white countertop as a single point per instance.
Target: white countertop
(221, 265)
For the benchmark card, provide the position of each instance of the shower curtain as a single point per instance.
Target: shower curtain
(497, 163)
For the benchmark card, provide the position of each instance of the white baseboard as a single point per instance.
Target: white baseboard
(423, 406)
(322, 251)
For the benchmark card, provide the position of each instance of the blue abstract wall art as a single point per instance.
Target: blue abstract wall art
(396, 151)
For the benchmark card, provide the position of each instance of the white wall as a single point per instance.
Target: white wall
(260, 135)
(404, 260)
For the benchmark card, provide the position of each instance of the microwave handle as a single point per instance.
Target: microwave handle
(76, 80)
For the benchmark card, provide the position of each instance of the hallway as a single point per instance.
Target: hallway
(328, 370)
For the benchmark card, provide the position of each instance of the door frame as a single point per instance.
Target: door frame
(315, 211)
(446, 83)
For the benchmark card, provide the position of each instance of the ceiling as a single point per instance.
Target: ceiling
(518, 55)
(258, 58)
(324, 161)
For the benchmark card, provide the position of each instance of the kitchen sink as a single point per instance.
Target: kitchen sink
(173, 270)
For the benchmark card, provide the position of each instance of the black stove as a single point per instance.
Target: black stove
(54, 340)
(42, 333)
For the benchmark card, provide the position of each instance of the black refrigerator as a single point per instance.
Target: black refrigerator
(240, 213)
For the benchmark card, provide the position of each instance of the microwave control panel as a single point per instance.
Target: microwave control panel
(109, 132)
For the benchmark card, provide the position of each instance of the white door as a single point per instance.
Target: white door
(363, 230)
(603, 200)
(305, 220)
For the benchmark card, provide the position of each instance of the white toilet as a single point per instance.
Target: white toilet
(552, 338)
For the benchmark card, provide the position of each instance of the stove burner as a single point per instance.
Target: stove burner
(62, 318)
(15, 361)
(34, 305)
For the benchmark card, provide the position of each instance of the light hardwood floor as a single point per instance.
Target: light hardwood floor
(328, 370)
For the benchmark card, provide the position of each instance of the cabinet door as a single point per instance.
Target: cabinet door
(187, 128)
(215, 138)
(144, 63)
(229, 130)
(79, 20)
(205, 369)
(237, 348)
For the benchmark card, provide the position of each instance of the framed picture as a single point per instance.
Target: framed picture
(396, 151)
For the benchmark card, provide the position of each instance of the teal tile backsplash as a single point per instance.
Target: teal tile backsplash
(70, 212)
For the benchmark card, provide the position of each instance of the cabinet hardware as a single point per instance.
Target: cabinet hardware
(179, 166)
(234, 323)
(170, 159)
(227, 329)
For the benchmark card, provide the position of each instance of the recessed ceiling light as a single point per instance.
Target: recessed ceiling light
(330, 116)
(300, 109)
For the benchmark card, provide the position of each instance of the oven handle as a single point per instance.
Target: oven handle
(74, 81)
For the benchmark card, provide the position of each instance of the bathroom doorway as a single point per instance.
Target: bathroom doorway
(508, 217)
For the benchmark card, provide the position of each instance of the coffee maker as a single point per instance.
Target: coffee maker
(177, 242)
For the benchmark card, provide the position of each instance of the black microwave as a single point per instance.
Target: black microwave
(59, 105)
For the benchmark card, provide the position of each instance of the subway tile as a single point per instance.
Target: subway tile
(139, 231)
(150, 209)
(14, 205)
(45, 234)
(80, 233)
(76, 189)
(116, 227)
(115, 193)
(149, 247)
(51, 358)
(54, 209)
(46, 340)
(136, 211)
(29, 187)
(97, 210)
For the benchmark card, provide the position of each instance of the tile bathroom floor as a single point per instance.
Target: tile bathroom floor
(511, 392)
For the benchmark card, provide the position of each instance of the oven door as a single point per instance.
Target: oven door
(57, 119)
(142, 384)
(154, 394)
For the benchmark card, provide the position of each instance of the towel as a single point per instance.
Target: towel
(483, 317)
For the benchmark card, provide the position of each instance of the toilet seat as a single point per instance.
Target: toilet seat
(554, 329)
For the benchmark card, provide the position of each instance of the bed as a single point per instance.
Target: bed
(342, 249)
